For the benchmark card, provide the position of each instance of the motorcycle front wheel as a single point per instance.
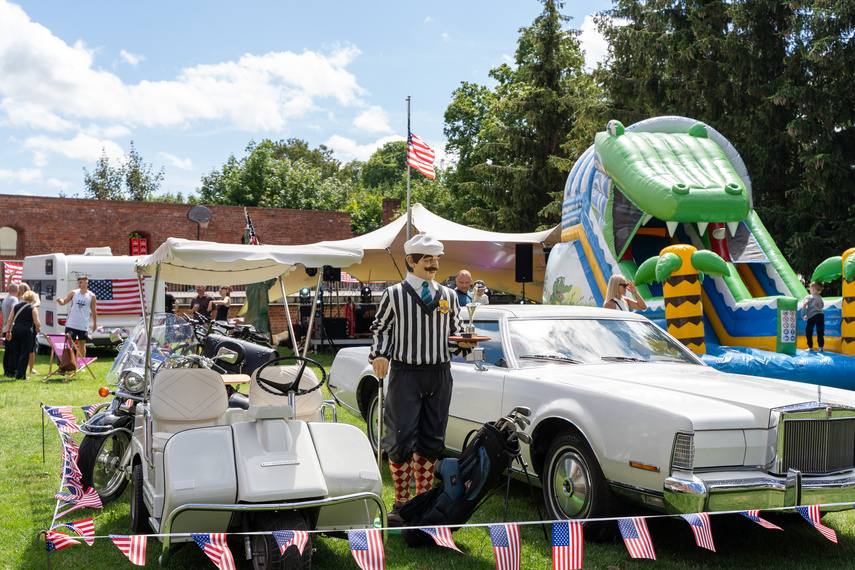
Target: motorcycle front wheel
(99, 464)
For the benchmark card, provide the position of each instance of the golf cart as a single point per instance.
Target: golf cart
(199, 466)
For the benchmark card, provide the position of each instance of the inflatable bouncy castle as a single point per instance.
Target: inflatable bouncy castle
(667, 202)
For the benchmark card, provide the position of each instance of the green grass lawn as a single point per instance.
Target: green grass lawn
(28, 483)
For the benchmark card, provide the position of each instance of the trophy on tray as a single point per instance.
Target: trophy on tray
(470, 328)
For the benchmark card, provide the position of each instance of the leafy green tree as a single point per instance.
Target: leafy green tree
(104, 182)
(132, 180)
(140, 182)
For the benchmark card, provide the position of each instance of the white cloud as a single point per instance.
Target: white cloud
(131, 58)
(374, 120)
(61, 84)
(347, 149)
(595, 45)
(429, 20)
(182, 163)
(33, 116)
(21, 176)
(82, 147)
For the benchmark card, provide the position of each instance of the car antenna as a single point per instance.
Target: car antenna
(396, 263)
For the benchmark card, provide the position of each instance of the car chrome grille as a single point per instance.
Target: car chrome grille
(816, 439)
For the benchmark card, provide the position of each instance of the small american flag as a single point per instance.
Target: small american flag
(58, 541)
(89, 410)
(88, 498)
(367, 548)
(214, 545)
(85, 528)
(442, 536)
(117, 296)
(12, 273)
(249, 237)
(506, 545)
(286, 538)
(420, 156)
(62, 412)
(348, 278)
(636, 537)
(813, 516)
(131, 546)
(755, 516)
(566, 545)
(701, 528)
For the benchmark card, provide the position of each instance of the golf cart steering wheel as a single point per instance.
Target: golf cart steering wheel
(278, 389)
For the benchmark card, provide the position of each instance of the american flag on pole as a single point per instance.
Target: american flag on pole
(813, 516)
(442, 536)
(12, 273)
(84, 528)
(566, 545)
(58, 540)
(250, 237)
(506, 545)
(420, 156)
(117, 296)
(755, 516)
(367, 548)
(286, 538)
(214, 545)
(131, 546)
(636, 537)
(701, 528)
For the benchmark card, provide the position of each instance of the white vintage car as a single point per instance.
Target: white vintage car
(621, 408)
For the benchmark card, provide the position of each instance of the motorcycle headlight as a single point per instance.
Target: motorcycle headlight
(132, 382)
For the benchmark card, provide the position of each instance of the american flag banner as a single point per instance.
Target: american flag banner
(636, 537)
(701, 528)
(214, 545)
(117, 296)
(131, 546)
(12, 273)
(420, 156)
(62, 418)
(813, 516)
(348, 278)
(286, 538)
(566, 545)
(87, 498)
(755, 516)
(58, 540)
(506, 545)
(367, 548)
(249, 237)
(89, 410)
(71, 474)
(442, 536)
(84, 528)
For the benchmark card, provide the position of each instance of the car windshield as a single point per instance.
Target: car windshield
(588, 341)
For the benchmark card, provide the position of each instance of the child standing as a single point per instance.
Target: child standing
(812, 313)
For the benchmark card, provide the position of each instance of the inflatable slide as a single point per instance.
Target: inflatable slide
(645, 201)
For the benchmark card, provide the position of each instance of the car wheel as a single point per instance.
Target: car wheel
(265, 550)
(99, 464)
(574, 487)
(139, 512)
(372, 420)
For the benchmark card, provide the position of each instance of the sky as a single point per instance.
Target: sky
(192, 83)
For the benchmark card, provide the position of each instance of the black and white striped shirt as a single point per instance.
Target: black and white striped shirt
(408, 331)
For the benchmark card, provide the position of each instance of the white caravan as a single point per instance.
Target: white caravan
(111, 277)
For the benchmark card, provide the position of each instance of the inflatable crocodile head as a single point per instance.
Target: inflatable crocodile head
(675, 177)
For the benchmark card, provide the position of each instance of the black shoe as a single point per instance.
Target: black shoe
(394, 519)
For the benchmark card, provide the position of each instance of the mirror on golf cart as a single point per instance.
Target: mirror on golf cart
(226, 355)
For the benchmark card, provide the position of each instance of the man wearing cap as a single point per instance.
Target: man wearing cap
(414, 321)
(83, 307)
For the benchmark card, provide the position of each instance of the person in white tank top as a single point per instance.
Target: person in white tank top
(83, 307)
(616, 295)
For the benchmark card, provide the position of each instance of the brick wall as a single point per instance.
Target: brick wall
(70, 225)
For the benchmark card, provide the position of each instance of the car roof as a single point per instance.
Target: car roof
(556, 311)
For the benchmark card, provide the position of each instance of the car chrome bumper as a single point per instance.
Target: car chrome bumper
(693, 492)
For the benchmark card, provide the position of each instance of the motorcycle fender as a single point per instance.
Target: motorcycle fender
(106, 421)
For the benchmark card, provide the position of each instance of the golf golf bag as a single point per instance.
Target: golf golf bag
(462, 484)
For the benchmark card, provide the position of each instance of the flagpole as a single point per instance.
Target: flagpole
(409, 213)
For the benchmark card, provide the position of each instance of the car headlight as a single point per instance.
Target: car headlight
(684, 451)
(131, 382)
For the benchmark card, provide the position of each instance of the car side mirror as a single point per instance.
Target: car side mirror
(476, 356)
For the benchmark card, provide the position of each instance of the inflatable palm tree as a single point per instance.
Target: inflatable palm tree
(835, 268)
(679, 267)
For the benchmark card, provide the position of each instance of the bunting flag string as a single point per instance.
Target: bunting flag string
(755, 516)
(214, 545)
(701, 528)
(367, 548)
(636, 537)
(442, 537)
(566, 545)
(58, 541)
(506, 545)
(286, 538)
(813, 516)
(131, 546)
(84, 528)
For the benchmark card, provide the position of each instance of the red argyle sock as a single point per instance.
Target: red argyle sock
(401, 473)
(423, 473)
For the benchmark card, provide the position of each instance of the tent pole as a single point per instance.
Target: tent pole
(409, 212)
(288, 317)
(312, 314)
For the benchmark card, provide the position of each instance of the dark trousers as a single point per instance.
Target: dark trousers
(416, 412)
(22, 346)
(8, 367)
(819, 322)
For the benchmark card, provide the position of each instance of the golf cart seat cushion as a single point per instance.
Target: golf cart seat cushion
(308, 406)
(185, 398)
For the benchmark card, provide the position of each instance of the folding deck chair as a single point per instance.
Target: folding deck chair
(60, 343)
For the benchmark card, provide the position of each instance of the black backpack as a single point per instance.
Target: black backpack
(462, 483)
